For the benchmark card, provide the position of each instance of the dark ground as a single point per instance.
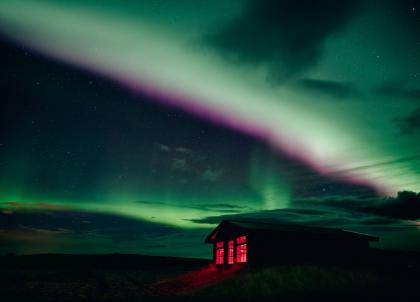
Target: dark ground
(383, 275)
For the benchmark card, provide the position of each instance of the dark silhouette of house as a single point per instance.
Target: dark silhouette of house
(256, 242)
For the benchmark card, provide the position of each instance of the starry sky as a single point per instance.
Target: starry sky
(136, 126)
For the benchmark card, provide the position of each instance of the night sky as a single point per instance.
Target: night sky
(136, 126)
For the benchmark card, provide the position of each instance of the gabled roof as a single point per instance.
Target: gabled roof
(258, 225)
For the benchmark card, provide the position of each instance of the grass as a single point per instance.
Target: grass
(295, 282)
(141, 278)
(76, 285)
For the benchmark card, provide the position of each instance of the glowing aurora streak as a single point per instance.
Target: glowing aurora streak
(154, 60)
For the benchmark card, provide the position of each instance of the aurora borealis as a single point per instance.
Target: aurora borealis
(135, 126)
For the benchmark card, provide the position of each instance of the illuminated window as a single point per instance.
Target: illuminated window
(231, 250)
(220, 252)
(241, 250)
(241, 239)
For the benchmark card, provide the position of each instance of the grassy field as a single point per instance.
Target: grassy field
(199, 281)
(298, 282)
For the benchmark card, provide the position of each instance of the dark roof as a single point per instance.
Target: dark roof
(259, 225)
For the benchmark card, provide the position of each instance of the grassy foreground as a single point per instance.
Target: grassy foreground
(298, 282)
(200, 281)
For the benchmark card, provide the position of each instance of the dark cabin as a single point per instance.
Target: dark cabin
(256, 242)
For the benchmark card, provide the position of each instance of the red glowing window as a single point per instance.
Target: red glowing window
(241, 249)
(241, 240)
(220, 252)
(231, 250)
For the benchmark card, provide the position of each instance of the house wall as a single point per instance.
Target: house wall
(269, 250)
(272, 248)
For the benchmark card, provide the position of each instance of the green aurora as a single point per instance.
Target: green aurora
(170, 112)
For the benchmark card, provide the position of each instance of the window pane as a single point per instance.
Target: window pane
(241, 240)
(241, 253)
(231, 258)
(220, 255)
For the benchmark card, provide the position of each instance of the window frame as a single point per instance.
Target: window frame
(220, 253)
(241, 249)
(231, 252)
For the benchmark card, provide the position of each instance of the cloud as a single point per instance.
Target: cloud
(164, 148)
(315, 217)
(35, 205)
(64, 223)
(406, 205)
(337, 90)
(183, 181)
(219, 207)
(211, 175)
(409, 124)
(287, 215)
(372, 215)
(225, 207)
(47, 231)
(179, 164)
(182, 150)
(286, 36)
(396, 90)
(151, 202)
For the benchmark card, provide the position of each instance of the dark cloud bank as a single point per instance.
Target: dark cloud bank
(339, 211)
(286, 36)
(409, 124)
(398, 91)
(62, 230)
(406, 205)
(332, 89)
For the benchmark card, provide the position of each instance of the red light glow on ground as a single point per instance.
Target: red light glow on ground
(191, 281)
